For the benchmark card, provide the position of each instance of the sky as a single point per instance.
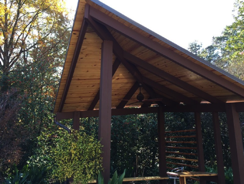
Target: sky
(180, 21)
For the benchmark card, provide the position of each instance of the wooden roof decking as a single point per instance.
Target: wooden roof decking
(140, 56)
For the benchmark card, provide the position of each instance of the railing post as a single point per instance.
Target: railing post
(236, 146)
(161, 145)
(76, 120)
(200, 152)
(218, 148)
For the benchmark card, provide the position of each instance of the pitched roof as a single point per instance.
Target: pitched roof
(164, 69)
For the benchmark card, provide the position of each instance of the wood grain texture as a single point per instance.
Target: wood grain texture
(85, 81)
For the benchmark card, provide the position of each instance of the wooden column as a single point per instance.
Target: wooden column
(236, 146)
(104, 131)
(161, 145)
(218, 148)
(76, 120)
(200, 152)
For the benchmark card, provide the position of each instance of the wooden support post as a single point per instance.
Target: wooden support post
(76, 120)
(200, 152)
(236, 146)
(104, 131)
(218, 148)
(162, 145)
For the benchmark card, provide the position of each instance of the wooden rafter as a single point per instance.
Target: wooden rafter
(118, 51)
(162, 74)
(169, 54)
(169, 92)
(96, 98)
(153, 94)
(128, 96)
(121, 54)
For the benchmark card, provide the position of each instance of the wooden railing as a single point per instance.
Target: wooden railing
(185, 141)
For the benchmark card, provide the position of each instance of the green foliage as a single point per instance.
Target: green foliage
(17, 178)
(33, 41)
(115, 179)
(75, 155)
(228, 173)
(28, 175)
(134, 144)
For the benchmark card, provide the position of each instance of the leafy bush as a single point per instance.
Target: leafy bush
(75, 155)
(115, 179)
(28, 175)
(228, 173)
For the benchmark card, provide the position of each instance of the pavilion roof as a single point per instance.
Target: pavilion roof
(164, 70)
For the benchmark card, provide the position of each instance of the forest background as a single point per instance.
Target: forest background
(34, 37)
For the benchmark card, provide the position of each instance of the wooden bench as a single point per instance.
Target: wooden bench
(183, 175)
(147, 178)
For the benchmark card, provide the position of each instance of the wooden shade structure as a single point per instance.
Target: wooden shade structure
(109, 56)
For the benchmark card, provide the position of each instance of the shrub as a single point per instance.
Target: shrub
(73, 155)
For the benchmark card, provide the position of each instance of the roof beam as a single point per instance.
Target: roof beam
(178, 108)
(118, 51)
(138, 76)
(153, 94)
(162, 74)
(95, 113)
(73, 63)
(128, 96)
(96, 98)
(169, 92)
(170, 54)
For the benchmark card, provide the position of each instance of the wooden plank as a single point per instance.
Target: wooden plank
(73, 63)
(196, 108)
(180, 164)
(105, 34)
(128, 96)
(170, 54)
(192, 173)
(178, 131)
(104, 129)
(175, 95)
(199, 144)
(96, 98)
(147, 178)
(218, 148)
(76, 120)
(180, 153)
(164, 100)
(236, 144)
(181, 142)
(181, 158)
(182, 136)
(161, 144)
(174, 147)
(170, 78)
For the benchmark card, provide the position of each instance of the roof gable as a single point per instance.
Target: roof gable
(165, 70)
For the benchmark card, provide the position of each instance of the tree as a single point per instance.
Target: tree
(25, 27)
(195, 47)
(13, 134)
(33, 40)
(235, 43)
